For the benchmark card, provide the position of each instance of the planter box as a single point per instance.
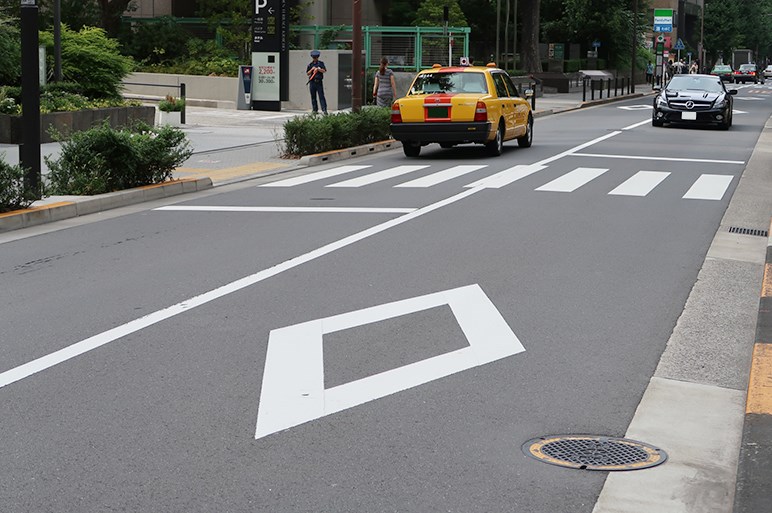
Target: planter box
(68, 122)
(169, 118)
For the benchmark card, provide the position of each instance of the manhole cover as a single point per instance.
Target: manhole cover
(592, 452)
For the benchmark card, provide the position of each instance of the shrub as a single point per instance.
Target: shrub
(90, 59)
(8, 104)
(171, 104)
(13, 194)
(310, 134)
(104, 159)
(10, 52)
(161, 40)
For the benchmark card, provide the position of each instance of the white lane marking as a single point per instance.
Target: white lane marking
(441, 176)
(277, 116)
(93, 342)
(507, 176)
(751, 98)
(735, 111)
(312, 177)
(571, 181)
(670, 159)
(636, 107)
(377, 177)
(640, 184)
(578, 148)
(293, 390)
(321, 210)
(636, 125)
(709, 187)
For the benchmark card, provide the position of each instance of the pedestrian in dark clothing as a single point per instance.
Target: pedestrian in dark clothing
(315, 72)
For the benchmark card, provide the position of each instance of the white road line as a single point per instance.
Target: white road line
(640, 184)
(302, 210)
(441, 176)
(670, 159)
(636, 125)
(377, 177)
(45, 362)
(709, 187)
(571, 181)
(507, 176)
(312, 177)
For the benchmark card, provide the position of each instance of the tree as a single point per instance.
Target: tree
(529, 47)
(722, 29)
(430, 14)
(232, 21)
(111, 12)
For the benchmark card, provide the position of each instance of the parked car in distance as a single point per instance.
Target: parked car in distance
(694, 99)
(456, 105)
(746, 73)
(768, 71)
(724, 71)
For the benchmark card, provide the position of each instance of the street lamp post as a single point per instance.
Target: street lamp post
(635, 46)
(29, 150)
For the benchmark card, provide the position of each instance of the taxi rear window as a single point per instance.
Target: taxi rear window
(450, 82)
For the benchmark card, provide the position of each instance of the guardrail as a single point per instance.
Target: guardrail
(180, 88)
(599, 84)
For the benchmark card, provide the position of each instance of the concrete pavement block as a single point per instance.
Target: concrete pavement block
(34, 217)
(89, 205)
(59, 212)
(204, 183)
(11, 221)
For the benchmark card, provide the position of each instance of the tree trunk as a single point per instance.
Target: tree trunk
(111, 12)
(530, 44)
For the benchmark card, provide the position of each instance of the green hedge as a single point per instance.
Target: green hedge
(13, 194)
(306, 135)
(104, 159)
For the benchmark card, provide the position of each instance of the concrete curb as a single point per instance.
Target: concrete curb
(347, 153)
(49, 213)
(753, 492)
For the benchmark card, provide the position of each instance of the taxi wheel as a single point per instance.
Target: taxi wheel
(496, 146)
(527, 139)
(411, 149)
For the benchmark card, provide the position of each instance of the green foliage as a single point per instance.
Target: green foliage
(430, 13)
(76, 14)
(9, 104)
(171, 104)
(13, 194)
(10, 52)
(160, 41)
(90, 59)
(104, 159)
(232, 21)
(203, 58)
(311, 134)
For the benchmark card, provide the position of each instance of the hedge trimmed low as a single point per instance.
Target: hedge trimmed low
(13, 194)
(306, 135)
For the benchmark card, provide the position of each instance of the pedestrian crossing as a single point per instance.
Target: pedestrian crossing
(642, 183)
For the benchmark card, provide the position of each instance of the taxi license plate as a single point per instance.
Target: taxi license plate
(437, 112)
(691, 116)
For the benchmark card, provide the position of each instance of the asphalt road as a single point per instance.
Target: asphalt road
(389, 350)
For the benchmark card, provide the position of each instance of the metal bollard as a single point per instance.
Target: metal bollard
(584, 89)
(533, 97)
(592, 89)
(616, 86)
(182, 96)
(608, 95)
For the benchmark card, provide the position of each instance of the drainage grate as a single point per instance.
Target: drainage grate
(748, 231)
(592, 452)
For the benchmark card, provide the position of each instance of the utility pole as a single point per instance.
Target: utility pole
(57, 40)
(356, 58)
(29, 151)
(635, 46)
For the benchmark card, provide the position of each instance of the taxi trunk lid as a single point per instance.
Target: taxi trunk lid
(439, 107)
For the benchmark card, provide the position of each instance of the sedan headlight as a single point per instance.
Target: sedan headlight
(661, 101)
(720, 104)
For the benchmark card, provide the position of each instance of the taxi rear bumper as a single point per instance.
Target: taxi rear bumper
(455, 132)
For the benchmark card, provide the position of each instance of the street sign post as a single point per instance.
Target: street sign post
(270, 54)
(663, 20)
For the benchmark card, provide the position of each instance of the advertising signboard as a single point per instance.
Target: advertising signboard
(270, 54)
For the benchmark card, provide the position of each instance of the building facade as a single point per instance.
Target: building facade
(687, 24)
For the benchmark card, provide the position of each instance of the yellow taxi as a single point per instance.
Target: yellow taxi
(457, 105)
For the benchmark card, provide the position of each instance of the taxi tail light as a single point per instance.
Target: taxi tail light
(396, 115)
(480, 112)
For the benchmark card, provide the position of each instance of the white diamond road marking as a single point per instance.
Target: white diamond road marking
(293, 390)
(569, 182)
(321, 175)
(709, 187)
(640, 184)
(441, 176)
(377, 177)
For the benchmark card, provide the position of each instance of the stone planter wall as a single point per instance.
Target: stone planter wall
(68, 122)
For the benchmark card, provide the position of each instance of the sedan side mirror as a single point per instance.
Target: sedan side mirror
(732, 91)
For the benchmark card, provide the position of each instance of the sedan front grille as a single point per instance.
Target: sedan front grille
(698, 105)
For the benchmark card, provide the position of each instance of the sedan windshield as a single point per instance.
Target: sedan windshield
(695, 83)
(722, 68)
(450, 82)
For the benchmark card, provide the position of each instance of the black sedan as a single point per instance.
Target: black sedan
(694, 99)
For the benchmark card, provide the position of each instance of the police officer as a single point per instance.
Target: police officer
(315, 71)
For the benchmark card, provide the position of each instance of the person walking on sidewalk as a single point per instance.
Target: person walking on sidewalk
(384, 87)
(315, 72)
(649, 73)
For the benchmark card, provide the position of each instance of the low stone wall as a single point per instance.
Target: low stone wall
(66, 123)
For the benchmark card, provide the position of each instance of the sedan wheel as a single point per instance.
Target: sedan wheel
(496, 146)
(411, 149)
(526, 140)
